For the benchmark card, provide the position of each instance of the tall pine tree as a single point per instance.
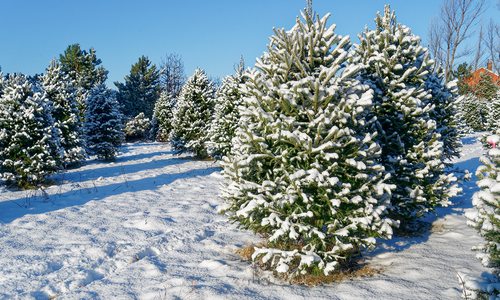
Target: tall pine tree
(103, 123)
(303, 167)
(226, 116)
(29, 143)
(399, 69)
(85, 69)
(61, 91)
(141, 89)
(193, 115)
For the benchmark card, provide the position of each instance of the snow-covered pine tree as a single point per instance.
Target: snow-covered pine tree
(303, 166)
(137, 128)
(61, 91)
(226, 115)
(444, 98)
(485, 88)
(475, 112)
(400, 72)
(193, 115)
(29, 142)
(486, 219)
(103, 123)
(163, 117)
(494, 113)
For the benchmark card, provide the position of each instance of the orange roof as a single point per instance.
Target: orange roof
(473, 79)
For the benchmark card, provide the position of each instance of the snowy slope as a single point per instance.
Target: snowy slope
(146, 227)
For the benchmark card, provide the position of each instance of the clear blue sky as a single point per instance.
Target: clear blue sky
(211, 34)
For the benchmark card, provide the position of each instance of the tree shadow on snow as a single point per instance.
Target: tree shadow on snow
(11, 210)
(117, 169)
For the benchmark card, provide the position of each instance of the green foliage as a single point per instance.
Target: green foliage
(84, 68)
(141, 89)
(463, 72)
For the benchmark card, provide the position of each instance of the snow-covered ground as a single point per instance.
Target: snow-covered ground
(146, 227)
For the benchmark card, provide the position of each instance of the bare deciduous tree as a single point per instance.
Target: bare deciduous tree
(451, 29)
(479, 50)
(172, 75)
(492, 44)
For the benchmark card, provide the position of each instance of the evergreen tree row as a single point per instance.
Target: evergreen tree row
(53, 121)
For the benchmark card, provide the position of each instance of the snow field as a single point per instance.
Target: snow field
(146, 227)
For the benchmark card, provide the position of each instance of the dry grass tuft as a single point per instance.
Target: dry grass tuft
(350, 272)
(359, 271)
(246, 252)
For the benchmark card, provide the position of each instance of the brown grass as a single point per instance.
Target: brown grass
(438, 227)
(353, 271)
(358, 271)
(246, 252)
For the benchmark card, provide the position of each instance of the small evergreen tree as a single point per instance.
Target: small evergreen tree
(303, 167)
(141, 89)
(193, 114)
(60, 90)
(486, 219)
(29, 143)
(226, 116)
(103, 123)
(410, 130)
(494, 113)
(163, 117)
(475, 112)
(485, 87)
(137, 128)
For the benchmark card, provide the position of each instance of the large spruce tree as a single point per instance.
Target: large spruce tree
(193, 115)
(60, 89)
(29, 142)
(303, 167)
(141, 89)
(410, 104)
